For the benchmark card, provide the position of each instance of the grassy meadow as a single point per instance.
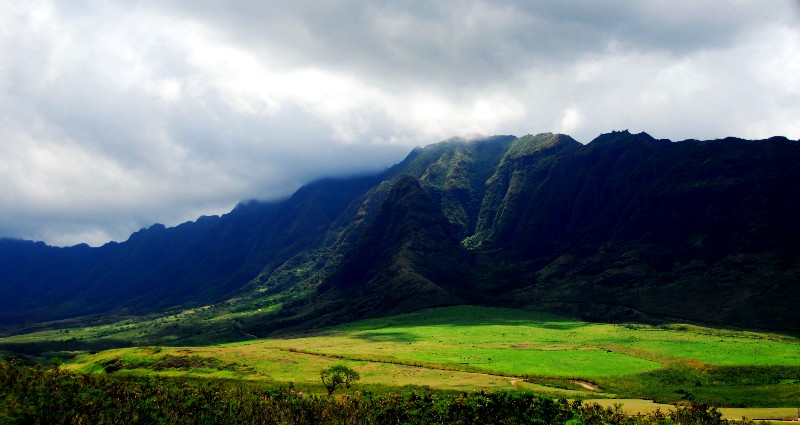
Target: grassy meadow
(469, 348)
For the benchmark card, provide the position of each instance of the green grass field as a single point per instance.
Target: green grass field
(481, 348)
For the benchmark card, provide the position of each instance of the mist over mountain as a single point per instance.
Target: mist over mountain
(626, 227)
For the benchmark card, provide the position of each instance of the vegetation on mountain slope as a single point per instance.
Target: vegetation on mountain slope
(624, 228)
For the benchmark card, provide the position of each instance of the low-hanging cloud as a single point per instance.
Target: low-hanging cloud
(115, 115)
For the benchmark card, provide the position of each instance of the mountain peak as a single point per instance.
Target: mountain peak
(623, 137)
(528, 145)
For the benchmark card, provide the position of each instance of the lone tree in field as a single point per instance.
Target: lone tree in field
(336, 376)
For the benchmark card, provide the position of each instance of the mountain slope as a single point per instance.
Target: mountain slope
(697, 230)
(624, 227)
(193, 264)
(403, 260)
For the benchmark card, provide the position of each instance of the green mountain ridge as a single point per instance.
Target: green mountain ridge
(407, 249)
(626, 227)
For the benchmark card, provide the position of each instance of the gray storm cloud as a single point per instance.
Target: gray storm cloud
(115, 115)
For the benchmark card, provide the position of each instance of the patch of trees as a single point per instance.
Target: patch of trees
(336, 376)
(169, 362)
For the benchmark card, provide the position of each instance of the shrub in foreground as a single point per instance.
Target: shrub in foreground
(38, 395)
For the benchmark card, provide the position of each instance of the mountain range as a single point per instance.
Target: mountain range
(626, 227)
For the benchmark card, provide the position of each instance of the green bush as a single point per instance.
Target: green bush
(38, 395)
(336, 376)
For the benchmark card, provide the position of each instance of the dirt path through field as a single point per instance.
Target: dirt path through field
(634, 406)
(587, 385)
(513, 380)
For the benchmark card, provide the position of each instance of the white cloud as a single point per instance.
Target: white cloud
(114, 115)
(570, 120)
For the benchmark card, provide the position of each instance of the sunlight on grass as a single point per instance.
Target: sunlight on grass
(473, 348)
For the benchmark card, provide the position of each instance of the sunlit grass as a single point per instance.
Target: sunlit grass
(524, 342)
(472, 347)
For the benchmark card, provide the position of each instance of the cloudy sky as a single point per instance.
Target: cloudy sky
(118, 114)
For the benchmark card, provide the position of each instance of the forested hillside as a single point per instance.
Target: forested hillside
(625, 227)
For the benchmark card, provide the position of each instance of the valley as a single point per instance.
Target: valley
(629, 268)
(471, 348)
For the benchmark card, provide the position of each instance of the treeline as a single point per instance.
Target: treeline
(49, 395)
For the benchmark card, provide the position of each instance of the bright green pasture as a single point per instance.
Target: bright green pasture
(474, 348)
(517, 348)
(523, 342)
(280, 365)
(520, 342)
(721, 351)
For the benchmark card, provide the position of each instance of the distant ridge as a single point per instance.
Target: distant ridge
(627, 227)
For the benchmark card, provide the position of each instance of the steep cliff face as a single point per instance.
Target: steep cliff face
(516, 179)
(696, 230)
(455, 173)
(404, 260)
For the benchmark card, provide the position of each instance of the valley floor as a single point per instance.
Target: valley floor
(480, 348)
